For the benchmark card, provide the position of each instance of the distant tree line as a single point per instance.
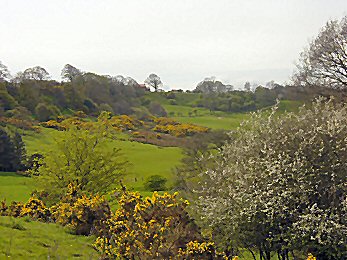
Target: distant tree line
(216, 96)
(34, 93)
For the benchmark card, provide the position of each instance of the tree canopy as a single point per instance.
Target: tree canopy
(154, 81)
(324, 62)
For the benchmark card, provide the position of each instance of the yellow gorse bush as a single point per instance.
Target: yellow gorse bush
(84, 214)
(155, 227)
(310, 257)
(34, 208)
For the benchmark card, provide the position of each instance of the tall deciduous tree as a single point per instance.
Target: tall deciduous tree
(324, 62)
(69, 72)
(154, 81)
(35, 73)
(4, 73)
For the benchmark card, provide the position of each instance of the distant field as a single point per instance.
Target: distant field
(144, 159)
(20, 239)
(178, 110)
(219, 119)
(226, 122)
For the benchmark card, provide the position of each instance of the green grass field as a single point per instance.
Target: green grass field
(21, 239)
(226, 122)
(15, 187)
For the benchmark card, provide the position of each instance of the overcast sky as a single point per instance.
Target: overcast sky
(183, 41)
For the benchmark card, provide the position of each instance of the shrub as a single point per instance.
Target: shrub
(155, 183)
(280, 184)
(20, 123)
(157, 110)
(151, 228)
(83, 214)
(36, 210)
(45, 112)
(14, 209)
(196, 250)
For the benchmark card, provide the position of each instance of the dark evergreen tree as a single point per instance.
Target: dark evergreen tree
(19, 152)
(6, 151)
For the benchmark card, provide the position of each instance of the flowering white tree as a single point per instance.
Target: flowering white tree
(280, 184)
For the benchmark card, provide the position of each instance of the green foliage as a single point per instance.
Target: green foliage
(45, 112)
(6, 100)
(6, 151)
(81, 158)
(155, 183)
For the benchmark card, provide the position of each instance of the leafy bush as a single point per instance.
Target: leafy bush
(45, 112)
(34, 208)
(156, 109)
(155, 183)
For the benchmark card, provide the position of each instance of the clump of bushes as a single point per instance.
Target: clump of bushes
(156, 227)
(34, 208)
(172, 127)
(83, 214)
(19, 123)
(155, 183)
(180, 130)
(124, 122)
(197, 250)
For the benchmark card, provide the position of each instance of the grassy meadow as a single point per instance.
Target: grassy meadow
(15, 187)
(24, 239)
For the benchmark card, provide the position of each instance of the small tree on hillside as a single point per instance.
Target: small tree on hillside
(154, 81)
(19, 152)
(83, 158)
